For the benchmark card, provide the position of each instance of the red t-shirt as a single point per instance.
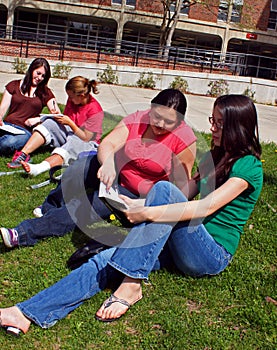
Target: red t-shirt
(89, 116)
(142, 164)
(24, 107)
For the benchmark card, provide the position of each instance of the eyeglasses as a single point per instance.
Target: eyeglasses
(218, 125)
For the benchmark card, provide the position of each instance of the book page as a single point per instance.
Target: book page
(112, 197)
(11, 129)
(46, 116)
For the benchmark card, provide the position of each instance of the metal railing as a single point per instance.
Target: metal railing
(98, 49)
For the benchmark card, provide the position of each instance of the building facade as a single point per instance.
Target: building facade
(241, 26)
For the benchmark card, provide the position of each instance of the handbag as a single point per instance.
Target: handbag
(83, 254)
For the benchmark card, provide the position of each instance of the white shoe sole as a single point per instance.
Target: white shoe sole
(6, 237)
(37, 212)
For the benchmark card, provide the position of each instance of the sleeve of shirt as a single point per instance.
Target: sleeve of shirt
(10, 87)
(247, 168)
(131, 119)
(49, 94)
(184, 138)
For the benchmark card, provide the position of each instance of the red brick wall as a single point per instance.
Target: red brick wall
(205, 12)
(255, 15)
(52, 52)
(98, 2)
(154, 6)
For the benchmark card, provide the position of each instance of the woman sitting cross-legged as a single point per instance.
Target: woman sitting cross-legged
(199, 236)
(145, 147)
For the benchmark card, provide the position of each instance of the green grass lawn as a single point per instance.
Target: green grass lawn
(229, 311)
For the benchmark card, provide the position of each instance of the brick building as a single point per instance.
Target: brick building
(243, 26)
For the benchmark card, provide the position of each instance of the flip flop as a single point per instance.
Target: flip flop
(113, 299)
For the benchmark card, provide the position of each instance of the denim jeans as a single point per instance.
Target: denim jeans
(9, 143)
(149, 246)
(73, 203)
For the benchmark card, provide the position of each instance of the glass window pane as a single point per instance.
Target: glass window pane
(274, 5)
(223, 10)
(272, 21)
(131, 2)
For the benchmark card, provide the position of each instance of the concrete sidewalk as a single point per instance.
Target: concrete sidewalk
(123, 100)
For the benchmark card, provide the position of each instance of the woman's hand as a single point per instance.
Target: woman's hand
(133, 203)
(32, 121)
(107, 174)
(63, 119)
(137, 214)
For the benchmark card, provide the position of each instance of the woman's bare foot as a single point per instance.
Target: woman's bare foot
(26, 166)
(35, 169)
(13, 317)
(127, 294)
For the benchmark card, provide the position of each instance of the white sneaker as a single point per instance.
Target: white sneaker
(10, 237)
(37, 212)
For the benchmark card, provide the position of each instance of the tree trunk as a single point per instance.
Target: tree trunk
(171, 29)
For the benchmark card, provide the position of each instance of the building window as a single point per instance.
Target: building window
(223, 10)
(236, 11)
(128, 2)
(274, 5)
(131, 3)
(184, 10)
(272, 21)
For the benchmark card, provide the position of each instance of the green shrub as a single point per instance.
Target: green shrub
(20, 66)
(108, 76)
(61, 71)
(146, 81)
(250, 93)
(218, 88)
(179, 84)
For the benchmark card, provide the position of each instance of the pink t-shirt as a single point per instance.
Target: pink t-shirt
(142, 164)
(89, 117)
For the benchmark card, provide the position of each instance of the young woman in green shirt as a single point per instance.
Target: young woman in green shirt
(199, 236)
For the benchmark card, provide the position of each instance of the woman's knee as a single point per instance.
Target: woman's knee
(164, 192)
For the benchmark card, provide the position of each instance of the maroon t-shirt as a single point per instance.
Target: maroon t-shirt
(24, 107)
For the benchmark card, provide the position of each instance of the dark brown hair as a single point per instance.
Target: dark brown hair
(28, 79)
(172, 98)
(240, 135)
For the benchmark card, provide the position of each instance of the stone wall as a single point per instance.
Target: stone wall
(265, 90)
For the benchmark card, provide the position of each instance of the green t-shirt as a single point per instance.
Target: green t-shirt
(226, 224)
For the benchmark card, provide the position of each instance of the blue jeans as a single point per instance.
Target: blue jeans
(74, 203)
(149, 246)
(9, 143)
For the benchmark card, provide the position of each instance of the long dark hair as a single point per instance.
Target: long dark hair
(172, 98)
(27, 81)
(240, 134)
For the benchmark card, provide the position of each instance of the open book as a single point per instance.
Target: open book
(111, 197)
(43, 117)
(11, 129)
